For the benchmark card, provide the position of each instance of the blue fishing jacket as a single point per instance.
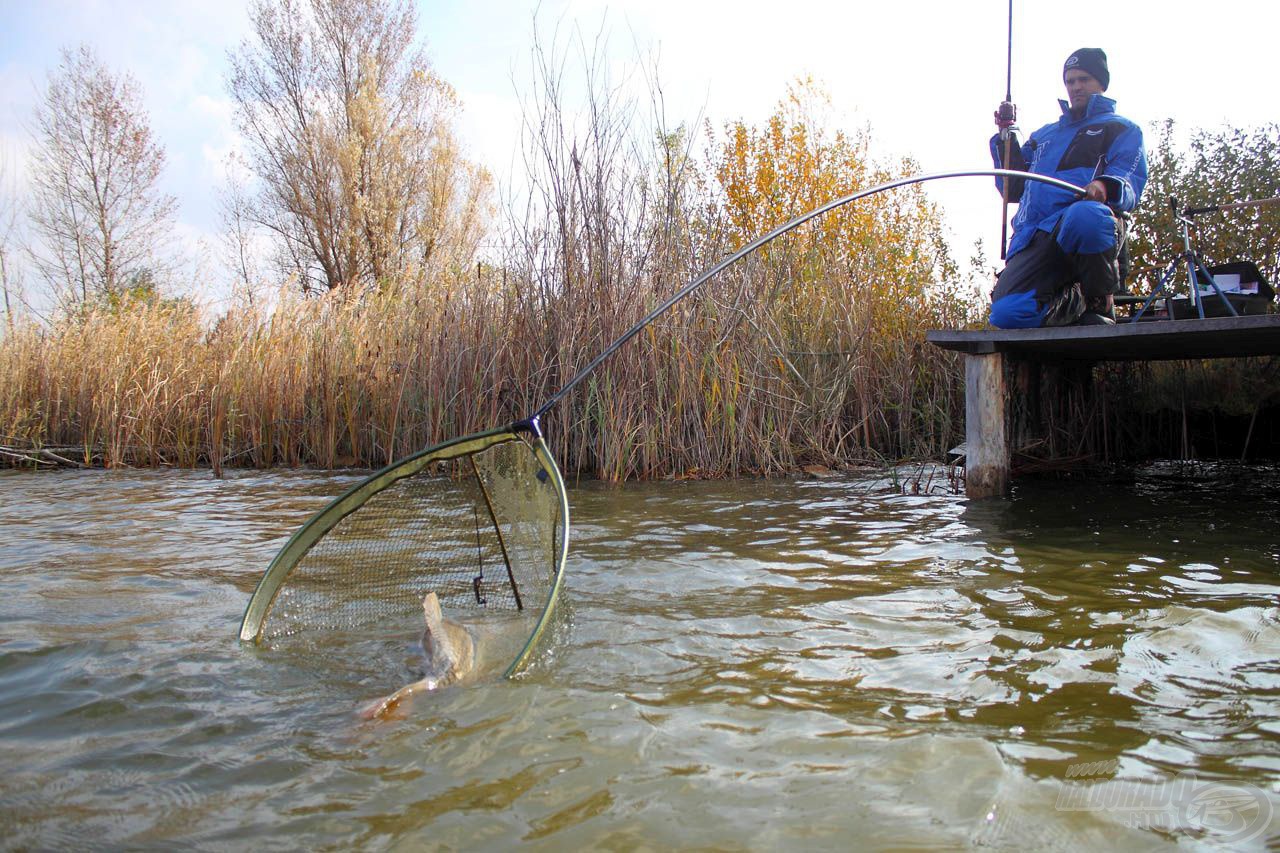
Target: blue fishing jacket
(1100, 144)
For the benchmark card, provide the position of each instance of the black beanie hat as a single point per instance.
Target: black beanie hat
(1092, 61)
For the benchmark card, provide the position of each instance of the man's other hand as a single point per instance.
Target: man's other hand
(1096, 191)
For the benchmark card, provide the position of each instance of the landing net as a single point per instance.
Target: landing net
(481, 521)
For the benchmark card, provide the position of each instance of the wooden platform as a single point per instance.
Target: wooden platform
(987, 453)
(1156, 340)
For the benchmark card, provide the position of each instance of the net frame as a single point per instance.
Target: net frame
(293, 552)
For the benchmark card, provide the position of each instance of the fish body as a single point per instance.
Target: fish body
(448, 650)
(448, 647)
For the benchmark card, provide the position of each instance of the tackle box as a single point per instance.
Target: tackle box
(1243, 285)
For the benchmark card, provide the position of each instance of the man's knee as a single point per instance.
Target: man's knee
(1087, 228)
(1016, 311)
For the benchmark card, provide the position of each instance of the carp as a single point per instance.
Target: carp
(449, 652)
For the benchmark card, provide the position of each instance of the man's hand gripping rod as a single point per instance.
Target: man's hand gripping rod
(1006, 117)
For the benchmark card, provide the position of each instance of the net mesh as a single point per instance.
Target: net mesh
(478, 523)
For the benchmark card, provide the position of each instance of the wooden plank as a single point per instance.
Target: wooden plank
(986, 463)
(1218, 337)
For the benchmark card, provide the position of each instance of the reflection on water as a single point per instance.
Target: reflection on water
(824, 664)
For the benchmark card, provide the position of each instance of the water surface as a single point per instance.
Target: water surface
(746, 665)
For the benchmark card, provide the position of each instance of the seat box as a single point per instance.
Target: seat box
(1244, 304)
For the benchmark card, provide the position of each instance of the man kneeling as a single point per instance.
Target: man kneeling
(1064, 259)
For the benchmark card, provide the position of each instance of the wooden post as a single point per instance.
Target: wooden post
(986, 451)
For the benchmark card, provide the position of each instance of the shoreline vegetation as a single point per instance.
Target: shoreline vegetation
(809, 352)
(749, 376)
(397, 305)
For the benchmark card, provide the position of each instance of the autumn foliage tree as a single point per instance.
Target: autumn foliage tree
(843, 301)
(809, 350)
(350, 137)
(890, 247)
(96, 208)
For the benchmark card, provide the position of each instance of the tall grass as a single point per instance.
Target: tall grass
(720, 386)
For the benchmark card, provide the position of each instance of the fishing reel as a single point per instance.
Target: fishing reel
(1006, 118)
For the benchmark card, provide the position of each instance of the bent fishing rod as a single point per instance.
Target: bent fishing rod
(530, 424)
(296, 554)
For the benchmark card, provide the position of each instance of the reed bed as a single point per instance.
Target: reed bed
(728, 384)
(717, 388)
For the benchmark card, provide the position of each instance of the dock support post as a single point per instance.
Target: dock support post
(986, 450)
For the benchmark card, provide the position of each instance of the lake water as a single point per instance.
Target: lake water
(815, 664)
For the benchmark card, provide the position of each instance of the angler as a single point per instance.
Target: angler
(1064, 261)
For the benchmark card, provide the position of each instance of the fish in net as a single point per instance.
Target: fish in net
(482, 522)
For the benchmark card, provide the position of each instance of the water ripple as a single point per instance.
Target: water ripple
(753, 665)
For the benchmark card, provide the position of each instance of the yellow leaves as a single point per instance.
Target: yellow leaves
(839, 303)
(794, 163)
(787, 167)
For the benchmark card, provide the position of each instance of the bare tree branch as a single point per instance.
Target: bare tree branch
(100, 219)
(350, 137)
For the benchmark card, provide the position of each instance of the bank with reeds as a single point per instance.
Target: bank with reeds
(774, 366)
(810, 351)
(726, 384)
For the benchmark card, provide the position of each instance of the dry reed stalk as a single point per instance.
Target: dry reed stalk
(699, 393)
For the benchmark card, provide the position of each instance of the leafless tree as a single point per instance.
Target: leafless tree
(238, 250)
(98, 216)
(350, 138)
(10, 211)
